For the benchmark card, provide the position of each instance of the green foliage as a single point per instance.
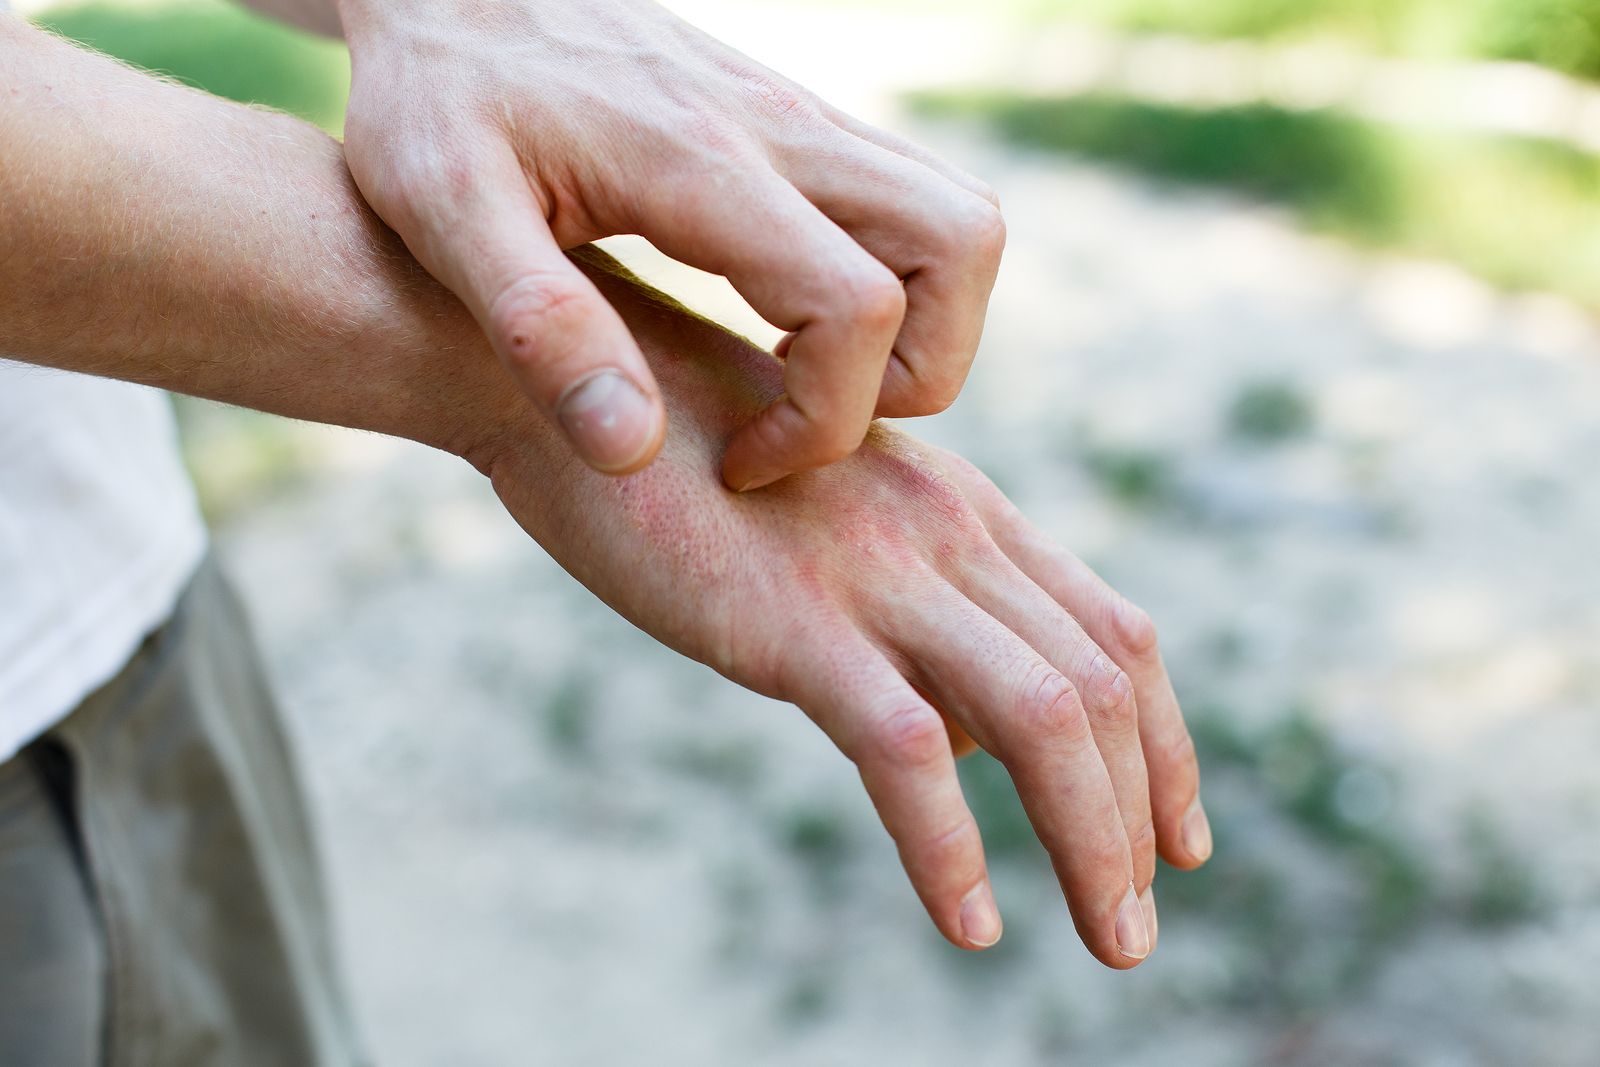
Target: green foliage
(1269, 412)
(1563, 34)
(818, 835)
(733, 765)
(1338, 170)
(1008, 836)
(806, 999)
(220, 48)
(239, 458)
(1136, 478)
(1518, 212)
(1340, 804)
(1501, 889)
(820, 839)
(1315, 880)
(1372, 20)
(569, 717)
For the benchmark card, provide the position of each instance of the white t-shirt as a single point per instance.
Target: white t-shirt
(99, 533)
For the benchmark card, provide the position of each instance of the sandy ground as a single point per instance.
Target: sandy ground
(553, 842)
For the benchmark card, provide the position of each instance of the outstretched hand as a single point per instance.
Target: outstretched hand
(492, 136)
(901, 601)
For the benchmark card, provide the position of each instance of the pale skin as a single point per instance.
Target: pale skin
(162, 236)
(493, 134)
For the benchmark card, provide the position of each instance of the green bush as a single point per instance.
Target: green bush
(1336, 169)
(1518, 212)
(220, 48)
(1269, 412)
(1561, 34)
(1372, 20)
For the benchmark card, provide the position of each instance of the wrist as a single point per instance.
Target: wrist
(437, 380)
(367, 20)
(358, 18)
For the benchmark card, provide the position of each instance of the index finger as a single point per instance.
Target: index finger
(801, 273)
(898, 743)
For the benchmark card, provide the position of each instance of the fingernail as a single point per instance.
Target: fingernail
(1147, 903)
(609, 420)
(1197, 832)
(758, 482)
(980, 919)
(1133, 937)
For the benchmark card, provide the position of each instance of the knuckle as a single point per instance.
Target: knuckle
(924, 387)
(987, 193)
(912, 737)
(980, 231)
(782, 99)
(943, 497)
(1052, 708)
(529, 307)
(876, 300)
(712, 136)
(1109, 698)
(933, 397)
(1177, 751)
(777, 96)
(833, 439)
(950, 849)
(431, 175)
(919, 478)
(833, 450)
(843, 437)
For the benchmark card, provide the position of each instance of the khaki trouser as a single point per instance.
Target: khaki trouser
(160, 902)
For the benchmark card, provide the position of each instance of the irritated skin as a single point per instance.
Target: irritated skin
(491, 134)
(161, 236)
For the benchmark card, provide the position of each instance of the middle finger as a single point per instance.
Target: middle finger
(1028, 714)
(1106, 691)
(942, 240)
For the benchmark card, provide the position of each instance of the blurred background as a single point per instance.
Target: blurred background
(1295, 341)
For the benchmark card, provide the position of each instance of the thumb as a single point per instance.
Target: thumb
(561, 340)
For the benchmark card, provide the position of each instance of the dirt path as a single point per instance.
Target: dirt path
(554, 842)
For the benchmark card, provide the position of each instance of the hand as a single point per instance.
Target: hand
(885, 595)
(850, 591)
(491, 136)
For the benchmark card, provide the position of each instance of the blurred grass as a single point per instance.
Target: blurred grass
(1316, 879)
(1268, 412)
(1134, 477)
(1520, 213)
(1563, 35)
(220, 48)
(237, 457)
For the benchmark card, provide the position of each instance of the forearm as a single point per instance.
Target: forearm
(156, 234)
